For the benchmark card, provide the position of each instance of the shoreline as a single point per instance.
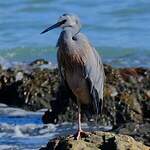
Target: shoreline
(126, 96)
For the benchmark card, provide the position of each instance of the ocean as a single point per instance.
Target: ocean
(24, 130)
(118, 29)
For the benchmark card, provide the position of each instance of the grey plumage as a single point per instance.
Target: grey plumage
(80, 66)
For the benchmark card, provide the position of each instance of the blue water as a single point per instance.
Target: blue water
(21, 120)
(118, 29)
(23, 130)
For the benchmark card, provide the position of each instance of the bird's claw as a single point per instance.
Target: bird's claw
(80, 134)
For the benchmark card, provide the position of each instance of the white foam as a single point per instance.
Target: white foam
(18, 132)
(34, 134)
(19, 76)
(2, 105)
(12, 111)
(8, 147)
(27, 130)
(5, 64)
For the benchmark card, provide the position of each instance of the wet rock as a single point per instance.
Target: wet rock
(8, 88)
(31, 90)
(126, 94)
(95, 141)
(39, 88)
(140, 132)
(49, 117)
(38, 62)
(125, 98)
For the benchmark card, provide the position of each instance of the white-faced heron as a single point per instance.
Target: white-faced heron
(80, 66)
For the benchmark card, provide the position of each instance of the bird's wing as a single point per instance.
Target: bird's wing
(94, 73)
(62, 76)
(95, 77)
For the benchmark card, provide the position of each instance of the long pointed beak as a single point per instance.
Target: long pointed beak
(58, 24)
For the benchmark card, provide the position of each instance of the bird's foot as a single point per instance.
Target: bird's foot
(81, 134)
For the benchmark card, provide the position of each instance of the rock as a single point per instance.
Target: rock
(29, 90)
(39, 88)
(95, 141)
(140, 132)
(126, 93)
(38, 62)
(48, 117)
(126, 96)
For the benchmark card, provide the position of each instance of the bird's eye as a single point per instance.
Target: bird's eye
(74, 38)
(65, 20)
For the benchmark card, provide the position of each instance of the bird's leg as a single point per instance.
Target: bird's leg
(80, 133)
(79, 122)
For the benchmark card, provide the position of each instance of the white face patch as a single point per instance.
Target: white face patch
(70, 21)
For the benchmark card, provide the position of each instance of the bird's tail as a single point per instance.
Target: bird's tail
(95, 102)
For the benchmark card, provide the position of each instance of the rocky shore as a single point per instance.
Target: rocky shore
(97, 140)
(126, 96)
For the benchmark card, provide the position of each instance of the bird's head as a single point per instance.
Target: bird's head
(66, 20)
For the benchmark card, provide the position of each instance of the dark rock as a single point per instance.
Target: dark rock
(126, 94)
(49, 117)
(33, 90)
(39, 88)
(38, 62)
(140, 132)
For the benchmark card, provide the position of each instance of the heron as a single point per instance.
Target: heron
(80, 66)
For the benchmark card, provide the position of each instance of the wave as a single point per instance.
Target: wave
(117, 57)
(22, 129)
(31, 136)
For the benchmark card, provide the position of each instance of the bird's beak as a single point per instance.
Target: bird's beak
(58, 24)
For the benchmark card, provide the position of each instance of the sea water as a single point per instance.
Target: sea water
(118, 29)
(24, 130)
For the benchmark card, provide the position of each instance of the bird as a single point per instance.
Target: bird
(80, 66)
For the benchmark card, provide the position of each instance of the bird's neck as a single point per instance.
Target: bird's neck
(70, 32)
(66, 36)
